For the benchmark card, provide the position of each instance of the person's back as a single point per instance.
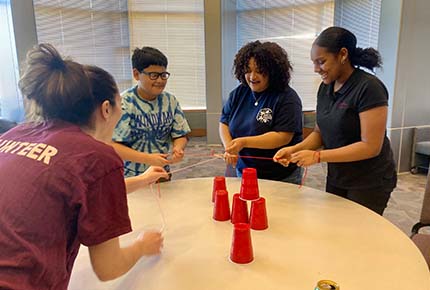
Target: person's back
(61, 185)
(55, 173)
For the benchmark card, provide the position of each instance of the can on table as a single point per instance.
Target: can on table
(327, 285)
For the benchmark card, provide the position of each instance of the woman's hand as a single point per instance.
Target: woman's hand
(235, 146)
(150, 243)
(231, 154)
(283, 156)
(305, 158)
(230, 159)
(153, 173)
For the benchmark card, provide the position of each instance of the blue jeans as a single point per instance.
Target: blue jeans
(295, 176)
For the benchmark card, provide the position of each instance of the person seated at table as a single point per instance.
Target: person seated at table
(352, 108)
(61, 184)
(263, 113)
(152, 121)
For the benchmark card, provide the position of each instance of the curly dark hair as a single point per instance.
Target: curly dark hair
(271, 59)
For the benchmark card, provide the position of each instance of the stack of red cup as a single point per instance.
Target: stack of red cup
(249, 192)
(241, 248)
(219, 184)
(221, 210)
(239, 210)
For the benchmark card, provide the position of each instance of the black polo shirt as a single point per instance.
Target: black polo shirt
(339, 122)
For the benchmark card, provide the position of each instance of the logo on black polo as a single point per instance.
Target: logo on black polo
(343, 105)
(264, 115)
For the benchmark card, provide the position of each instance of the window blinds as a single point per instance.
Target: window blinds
(294, 26)
(175, 27)
(90, 31)
(361, 17)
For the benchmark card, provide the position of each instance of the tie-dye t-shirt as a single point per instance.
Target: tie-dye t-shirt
(149, 126)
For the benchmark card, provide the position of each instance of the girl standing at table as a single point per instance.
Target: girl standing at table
(263, 113)
(61, 184)
(352, 108)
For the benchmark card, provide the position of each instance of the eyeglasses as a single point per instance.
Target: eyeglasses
(155, 75)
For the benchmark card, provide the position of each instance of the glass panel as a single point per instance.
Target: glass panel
(91, 32)
(294, 26)
(11, 105)
(177, 29)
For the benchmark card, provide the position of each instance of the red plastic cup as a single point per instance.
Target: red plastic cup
(219, 184)
(221, 210)
(258, 217)
(249, 185)
(241, 245)
(239, 210)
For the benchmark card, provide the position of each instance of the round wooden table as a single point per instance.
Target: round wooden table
(312, 236)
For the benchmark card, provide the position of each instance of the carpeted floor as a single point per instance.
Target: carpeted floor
(403, 209)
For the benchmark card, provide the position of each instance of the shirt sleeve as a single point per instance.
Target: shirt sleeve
(288, 114)
(122, 131)
(104, 211)
(180, 125)
(227, 109)
(374, 95)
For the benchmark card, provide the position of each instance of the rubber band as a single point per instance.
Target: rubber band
(317, 153)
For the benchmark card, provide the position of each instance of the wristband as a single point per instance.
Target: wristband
(317, 154)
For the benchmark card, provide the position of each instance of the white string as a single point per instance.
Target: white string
(196, 164)
(158, 199)
(158, 194)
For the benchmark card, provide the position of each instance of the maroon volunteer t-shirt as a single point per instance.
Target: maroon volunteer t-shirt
(59, 187)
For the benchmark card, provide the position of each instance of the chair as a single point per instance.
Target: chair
(422, 240)
(6, 125)
(420, 158)
(309, 119)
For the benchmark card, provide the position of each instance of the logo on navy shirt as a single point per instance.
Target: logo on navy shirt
(343, 105)
(264, 115)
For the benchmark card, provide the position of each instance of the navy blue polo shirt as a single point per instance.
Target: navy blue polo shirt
(275, 111)
(339, 122)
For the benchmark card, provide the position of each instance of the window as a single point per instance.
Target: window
(11, 105)
(294, 26)
(175, 27)
(90, 31)
(361, 17)
(105, 32)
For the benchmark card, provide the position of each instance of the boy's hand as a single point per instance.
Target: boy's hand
(157, 159)
(178, 154)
